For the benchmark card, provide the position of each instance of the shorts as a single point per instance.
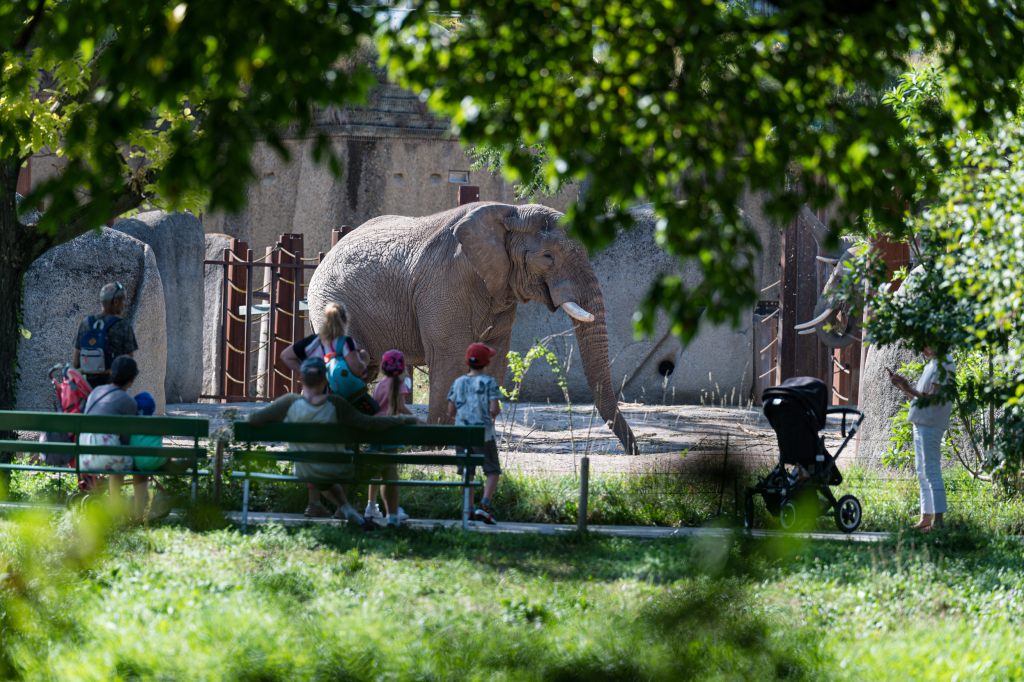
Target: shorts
(490, 452)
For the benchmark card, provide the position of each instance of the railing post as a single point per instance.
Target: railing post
(218, 470)
(581, 509)
(235, 371)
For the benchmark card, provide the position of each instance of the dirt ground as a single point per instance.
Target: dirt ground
(550, 438)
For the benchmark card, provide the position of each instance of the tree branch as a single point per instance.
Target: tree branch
(21, 42)
(130, 197)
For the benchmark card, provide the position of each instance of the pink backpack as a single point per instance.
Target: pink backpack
(71, 387)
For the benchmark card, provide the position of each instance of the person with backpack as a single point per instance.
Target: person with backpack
(346, 366)
(103, 337)
(314, 405)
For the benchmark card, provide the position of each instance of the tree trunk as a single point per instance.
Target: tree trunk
(13, 256)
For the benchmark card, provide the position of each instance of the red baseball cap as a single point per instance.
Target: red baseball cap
(479, 355)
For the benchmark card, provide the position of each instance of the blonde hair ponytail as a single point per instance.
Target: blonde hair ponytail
(335, 322)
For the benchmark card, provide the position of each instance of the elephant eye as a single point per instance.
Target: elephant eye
(549, 258)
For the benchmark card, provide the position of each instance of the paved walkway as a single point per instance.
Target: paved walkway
(646, 532)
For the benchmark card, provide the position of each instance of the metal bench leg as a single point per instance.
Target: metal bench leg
(195, 482)
(245, 505)
(465, 498)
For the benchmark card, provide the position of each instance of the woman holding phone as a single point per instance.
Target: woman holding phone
(930, 421)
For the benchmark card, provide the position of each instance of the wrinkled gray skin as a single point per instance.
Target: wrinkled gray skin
(432, 285)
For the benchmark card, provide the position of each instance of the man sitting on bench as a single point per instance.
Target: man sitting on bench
(315, 406)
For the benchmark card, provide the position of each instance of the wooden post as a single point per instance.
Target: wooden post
(235, 371)
(284, 315)
(581, 510)
(800, 355)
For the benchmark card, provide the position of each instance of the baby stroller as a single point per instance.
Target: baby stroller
(798, 411)
(71, 393)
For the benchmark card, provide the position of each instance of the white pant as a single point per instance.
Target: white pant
(928, 462)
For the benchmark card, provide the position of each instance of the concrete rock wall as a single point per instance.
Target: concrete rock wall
(213, 318)
(879, 400)
(63, 286)
(178, 243)
(381, 176)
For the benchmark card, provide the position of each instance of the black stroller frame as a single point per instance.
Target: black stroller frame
(798, 410)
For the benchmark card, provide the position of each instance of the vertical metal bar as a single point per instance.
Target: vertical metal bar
(272, 377)
(581, 510)
(218, 470)
(245, 504)
(195, 469)
(465, 496)
(725, 469)
(247, 336)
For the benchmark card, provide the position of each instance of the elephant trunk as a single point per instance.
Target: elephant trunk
(592, 339)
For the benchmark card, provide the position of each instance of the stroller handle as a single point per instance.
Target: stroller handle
(846, 412)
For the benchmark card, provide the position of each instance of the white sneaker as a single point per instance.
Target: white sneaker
(402, 516)
(373, 511)
(395, 521)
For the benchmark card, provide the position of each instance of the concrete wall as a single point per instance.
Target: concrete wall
(382, 175)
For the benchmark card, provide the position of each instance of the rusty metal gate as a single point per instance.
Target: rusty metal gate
(262, 310)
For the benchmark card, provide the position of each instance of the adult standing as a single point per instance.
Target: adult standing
(332, 338)
(103, 337)
(929, 416)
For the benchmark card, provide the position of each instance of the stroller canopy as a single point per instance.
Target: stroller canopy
(810, 393)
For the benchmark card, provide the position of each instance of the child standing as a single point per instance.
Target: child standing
(473, 401)
(391, 393)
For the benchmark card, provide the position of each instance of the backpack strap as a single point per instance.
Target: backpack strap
(110, 322)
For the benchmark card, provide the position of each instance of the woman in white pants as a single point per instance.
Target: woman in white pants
(930, 423)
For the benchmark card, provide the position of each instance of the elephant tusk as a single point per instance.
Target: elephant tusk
(805, 332)
(826, 259)
(814, 322)
(577, 313)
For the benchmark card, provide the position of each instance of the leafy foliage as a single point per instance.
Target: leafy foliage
(688, 105)
(966, 295)
(165, 98)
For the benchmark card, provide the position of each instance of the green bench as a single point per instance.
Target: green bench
(76, 424)
(353, 439)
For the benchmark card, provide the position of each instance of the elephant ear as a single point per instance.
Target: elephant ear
(481, 234)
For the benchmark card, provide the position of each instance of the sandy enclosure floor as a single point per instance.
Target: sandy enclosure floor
(551, 438)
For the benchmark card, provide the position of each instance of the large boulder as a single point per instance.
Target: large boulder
(63, 286)
(213, 316)
(177, 241)
(880, 400)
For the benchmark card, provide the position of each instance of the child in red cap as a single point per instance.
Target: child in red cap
(473, 401)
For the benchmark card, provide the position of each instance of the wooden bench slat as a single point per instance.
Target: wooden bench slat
(363, 457)
(71, 449)
(421, 434)
(195, 427)
(269, 476)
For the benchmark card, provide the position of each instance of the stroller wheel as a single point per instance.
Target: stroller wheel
(788, 515)
(848, 513)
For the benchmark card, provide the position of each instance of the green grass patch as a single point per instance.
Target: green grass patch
(86, 601)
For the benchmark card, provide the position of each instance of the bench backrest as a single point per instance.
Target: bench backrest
(193, 427)
(418, 434)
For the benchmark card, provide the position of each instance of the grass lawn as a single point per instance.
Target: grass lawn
(327, 603)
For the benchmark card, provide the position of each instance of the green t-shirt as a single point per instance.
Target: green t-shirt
(148, 463)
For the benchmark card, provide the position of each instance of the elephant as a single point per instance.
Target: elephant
(833, 321)
(432, 285)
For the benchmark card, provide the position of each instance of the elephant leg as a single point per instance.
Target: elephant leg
(443, 373)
